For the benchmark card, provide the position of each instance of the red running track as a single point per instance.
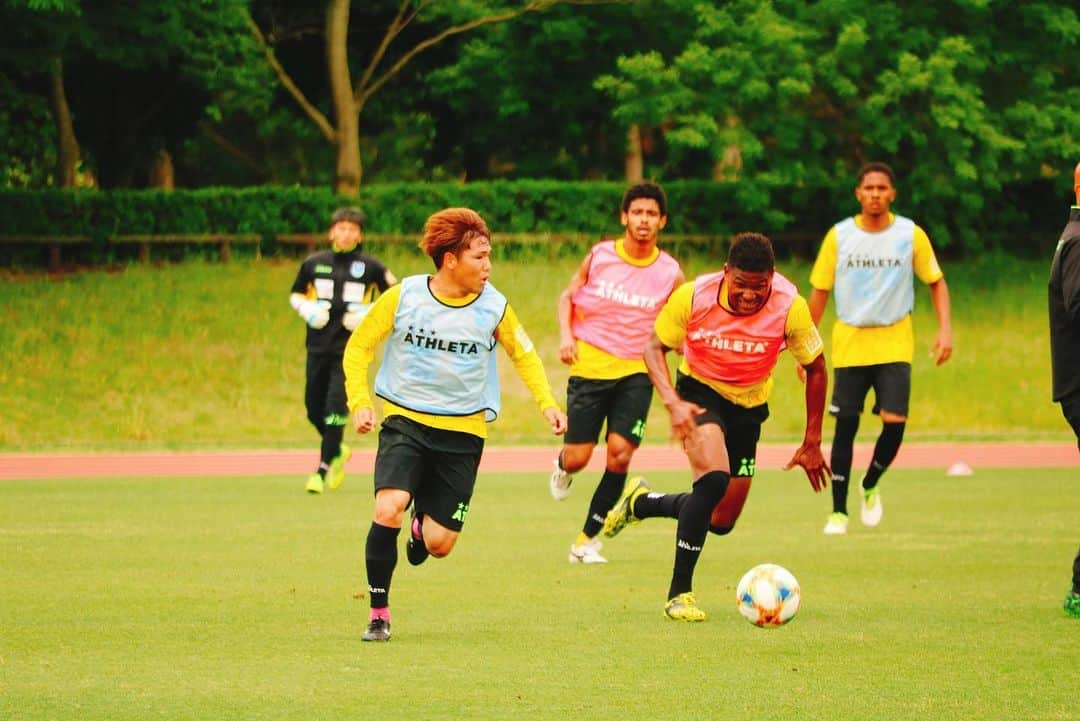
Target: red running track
(498, 460)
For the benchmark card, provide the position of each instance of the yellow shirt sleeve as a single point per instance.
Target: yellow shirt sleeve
(823, 274)
(803, 339)
(360, 350)
(670, 325)
(517, 344)
(923, 261)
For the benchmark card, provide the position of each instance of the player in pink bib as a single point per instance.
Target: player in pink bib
(606, 315)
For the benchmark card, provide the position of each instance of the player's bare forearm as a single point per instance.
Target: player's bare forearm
(656, 363)
(681, 413)
(809, 455)
(817, 384)
(817, 301)
(567, 342)
(939, 296)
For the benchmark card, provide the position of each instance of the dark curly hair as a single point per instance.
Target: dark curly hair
(645, 190)
(752, 252)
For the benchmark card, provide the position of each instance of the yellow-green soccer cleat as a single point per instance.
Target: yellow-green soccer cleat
(335, 476)
(314, 484)
(684, 608)
(836, 525)
(622, 515)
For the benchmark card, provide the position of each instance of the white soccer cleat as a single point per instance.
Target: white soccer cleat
(560, 483)
(836, 525)
(871, 507)
(588, 552)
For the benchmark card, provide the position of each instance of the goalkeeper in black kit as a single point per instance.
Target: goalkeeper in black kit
(1064, 293)
(332, 292)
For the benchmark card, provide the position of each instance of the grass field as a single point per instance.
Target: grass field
(241, 598)
(203, 355)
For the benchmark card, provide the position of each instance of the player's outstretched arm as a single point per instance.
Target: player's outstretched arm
(809, 455)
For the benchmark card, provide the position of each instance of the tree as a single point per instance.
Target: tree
(792, 93)
(381, 65)
(127, 83)
(532, 79)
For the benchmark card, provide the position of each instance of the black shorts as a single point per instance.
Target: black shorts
(623, 403)
(1070, 408)
(891, 383)
(437, 467)
(741, 425)
(324, 389)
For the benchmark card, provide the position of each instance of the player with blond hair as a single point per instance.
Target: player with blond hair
(439, 386)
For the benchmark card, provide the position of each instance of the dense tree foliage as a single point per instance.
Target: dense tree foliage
(972, 101)
(960, 96)
(141, 79)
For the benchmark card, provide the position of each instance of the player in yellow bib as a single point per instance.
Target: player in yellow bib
(869, 263)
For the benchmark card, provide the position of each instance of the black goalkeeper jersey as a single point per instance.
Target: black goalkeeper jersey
(340, 279)
(1064, 294)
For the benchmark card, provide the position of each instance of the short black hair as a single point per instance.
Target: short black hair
(350, 215)
(645, 190)
(751, 252)
(876, 167)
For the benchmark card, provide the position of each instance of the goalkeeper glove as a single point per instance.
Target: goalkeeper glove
(354, 313)
(315, 313)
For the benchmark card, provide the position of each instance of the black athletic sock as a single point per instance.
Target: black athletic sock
(885, 450)
(603, 500)
(380, 555)
(843, 447)
(694, 527)
(659, 505)
(331, 443)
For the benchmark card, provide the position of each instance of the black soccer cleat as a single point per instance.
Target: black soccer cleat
(415, 548)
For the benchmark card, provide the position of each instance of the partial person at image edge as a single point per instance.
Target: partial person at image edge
(1064, 296)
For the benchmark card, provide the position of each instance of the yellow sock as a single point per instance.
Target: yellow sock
(582, 539)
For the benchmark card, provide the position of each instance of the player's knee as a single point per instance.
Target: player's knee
(618, 457)
(390, 509)
(440, 544)
(573, 460)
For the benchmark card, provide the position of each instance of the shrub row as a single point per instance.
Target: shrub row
(524, 206)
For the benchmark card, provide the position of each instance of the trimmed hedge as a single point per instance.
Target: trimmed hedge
(1029, 215)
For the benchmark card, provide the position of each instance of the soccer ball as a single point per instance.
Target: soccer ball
(768, 595)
